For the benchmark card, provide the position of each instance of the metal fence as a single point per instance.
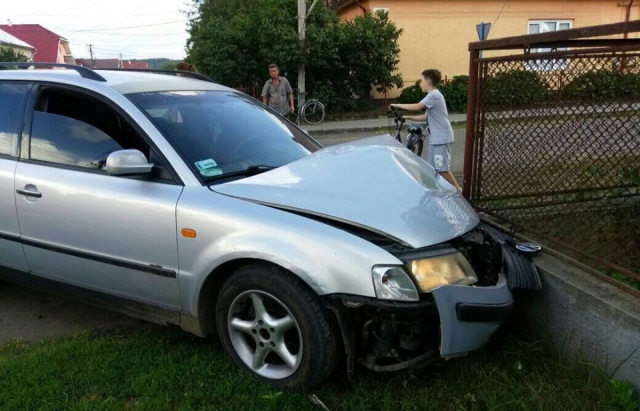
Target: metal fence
(553, 141)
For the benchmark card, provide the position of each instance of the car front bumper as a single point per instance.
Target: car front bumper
(470, 315)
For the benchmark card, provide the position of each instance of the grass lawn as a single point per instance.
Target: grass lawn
(157, 368)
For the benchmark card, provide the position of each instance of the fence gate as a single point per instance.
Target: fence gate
(553, 141)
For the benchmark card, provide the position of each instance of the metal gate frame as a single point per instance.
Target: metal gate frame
(580, 42)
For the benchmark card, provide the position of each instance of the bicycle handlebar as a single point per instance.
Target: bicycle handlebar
(397, 118)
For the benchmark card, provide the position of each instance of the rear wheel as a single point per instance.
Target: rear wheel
(273, 325)
(313, 112)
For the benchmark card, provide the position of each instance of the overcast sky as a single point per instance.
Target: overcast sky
(133, 28)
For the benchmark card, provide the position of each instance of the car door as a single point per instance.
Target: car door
(80, 226)
(13, 97)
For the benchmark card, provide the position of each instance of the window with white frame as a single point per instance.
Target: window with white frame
(546, 26)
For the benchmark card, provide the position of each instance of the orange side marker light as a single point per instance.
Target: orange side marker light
(189, 233)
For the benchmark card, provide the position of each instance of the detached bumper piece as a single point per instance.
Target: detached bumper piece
(520, 271)
(469, 316)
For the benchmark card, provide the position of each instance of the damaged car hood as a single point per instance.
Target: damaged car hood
(373, 183)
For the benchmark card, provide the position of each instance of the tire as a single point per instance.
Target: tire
(274, 326)
(313, 112)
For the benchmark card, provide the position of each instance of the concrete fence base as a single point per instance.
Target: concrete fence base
(577, 311)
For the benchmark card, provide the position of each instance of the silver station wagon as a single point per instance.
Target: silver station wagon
(178, 200)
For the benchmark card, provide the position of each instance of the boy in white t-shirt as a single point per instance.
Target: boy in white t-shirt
(438, 124)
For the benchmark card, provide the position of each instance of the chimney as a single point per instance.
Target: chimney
(9, 23)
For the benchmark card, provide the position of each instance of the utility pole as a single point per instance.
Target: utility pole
(93, 63)
(302, 25)
(302, 17)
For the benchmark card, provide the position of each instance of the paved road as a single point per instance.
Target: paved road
(31, 315)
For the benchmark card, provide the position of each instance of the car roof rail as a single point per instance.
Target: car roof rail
(191, 74)
(85, 72)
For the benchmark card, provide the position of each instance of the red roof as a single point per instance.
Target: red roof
(135, 64)
(99, 63)
(45, 41)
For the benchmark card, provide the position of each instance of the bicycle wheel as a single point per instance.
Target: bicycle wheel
(313, 112)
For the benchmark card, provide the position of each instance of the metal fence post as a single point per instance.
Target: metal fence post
(472, 100)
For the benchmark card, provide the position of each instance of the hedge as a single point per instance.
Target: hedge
(514, 89)
(455, 94)
(603, 85)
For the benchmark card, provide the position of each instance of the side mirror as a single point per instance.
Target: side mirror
(124, 162)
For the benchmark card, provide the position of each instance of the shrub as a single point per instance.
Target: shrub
(411, 94)
(455, 93)
(514, 89)
(603, 85)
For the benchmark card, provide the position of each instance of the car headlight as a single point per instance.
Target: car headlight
(393, 283)
(433, 272)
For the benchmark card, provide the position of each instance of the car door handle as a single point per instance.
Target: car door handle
(29, 193)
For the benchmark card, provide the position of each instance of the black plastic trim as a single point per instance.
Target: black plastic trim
(182, 73)
(398, 307)
(83, 71)
(10, 237)
(149, 269)
(470, 312)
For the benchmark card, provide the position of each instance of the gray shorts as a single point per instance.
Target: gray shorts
(439, 157)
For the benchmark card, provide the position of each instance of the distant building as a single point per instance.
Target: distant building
(135, 64)
(436, 33)
(99, 63)
(17, 45)
(112, 64)
(49, 46)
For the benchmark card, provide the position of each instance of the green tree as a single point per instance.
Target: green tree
(371, 53)
(234, 41)
(7, 54)
(169, 65)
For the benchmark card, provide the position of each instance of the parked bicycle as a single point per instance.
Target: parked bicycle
(310, 111)
(415, 134)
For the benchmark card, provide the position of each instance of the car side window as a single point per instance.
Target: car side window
(63, 140)
(78, 130)
(12, 100)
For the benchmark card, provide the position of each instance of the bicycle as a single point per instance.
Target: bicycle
(415, 134)
(310, 111)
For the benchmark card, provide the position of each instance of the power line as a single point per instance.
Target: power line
(142, 45)
(130, 27)
(139, 34)
(503, 6)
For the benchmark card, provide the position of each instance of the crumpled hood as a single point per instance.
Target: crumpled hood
(373, 183)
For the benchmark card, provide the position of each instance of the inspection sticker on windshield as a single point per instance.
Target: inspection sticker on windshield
(204, 164)
(214, 171)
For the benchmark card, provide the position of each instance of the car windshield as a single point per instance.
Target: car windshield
(224, 134)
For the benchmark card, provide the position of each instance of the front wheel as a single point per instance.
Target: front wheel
(313, 112)
(274, 326)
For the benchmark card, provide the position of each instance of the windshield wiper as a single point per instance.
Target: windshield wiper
(247, 172)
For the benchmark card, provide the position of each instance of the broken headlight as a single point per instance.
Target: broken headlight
(433, 272)
(393, 283)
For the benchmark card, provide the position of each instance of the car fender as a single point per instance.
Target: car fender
(326, 258)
